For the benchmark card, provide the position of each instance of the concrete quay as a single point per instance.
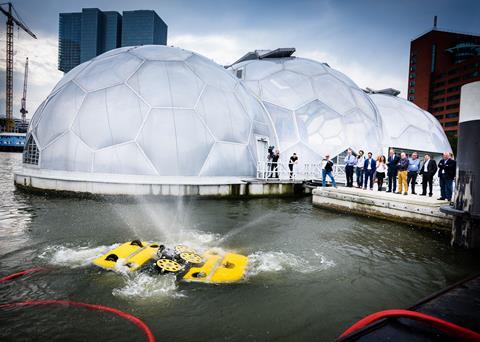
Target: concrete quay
(416, 210)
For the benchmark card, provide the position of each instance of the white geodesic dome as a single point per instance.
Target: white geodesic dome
(407, 126)
(150, 110)
(316, 110)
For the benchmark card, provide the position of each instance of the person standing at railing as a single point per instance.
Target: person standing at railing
(413, 167)
(275, 158)
(392, 171)
(381, 170)
(293, 160)
(327, 168)
(359, 168)
(428, 170)
(369, 167)
(350, 162)
(402, 167)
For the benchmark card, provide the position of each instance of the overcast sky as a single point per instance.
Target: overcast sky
(368, 40)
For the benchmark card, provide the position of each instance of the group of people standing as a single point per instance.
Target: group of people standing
(402, 170)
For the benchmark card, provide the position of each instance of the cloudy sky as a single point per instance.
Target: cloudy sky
(366, 39)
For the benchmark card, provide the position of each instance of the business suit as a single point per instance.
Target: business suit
(446, 173)
(427, 176)
(369, 167)
(392, 172)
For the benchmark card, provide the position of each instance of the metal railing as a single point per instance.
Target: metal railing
(311, 171)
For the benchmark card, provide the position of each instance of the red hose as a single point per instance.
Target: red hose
(447, 327)
(19, 274)
(137, 321)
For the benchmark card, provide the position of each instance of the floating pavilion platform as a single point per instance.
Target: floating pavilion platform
(416, 210)
(82, 183)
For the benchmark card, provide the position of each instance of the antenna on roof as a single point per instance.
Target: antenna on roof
(435, 22)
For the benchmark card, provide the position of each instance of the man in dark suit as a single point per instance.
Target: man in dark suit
(428, 170)
(369, 167)
(392, 171)
(447, 167)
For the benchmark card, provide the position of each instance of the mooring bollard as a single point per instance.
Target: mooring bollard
(466, 210)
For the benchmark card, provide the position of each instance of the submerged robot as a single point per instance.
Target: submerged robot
(212, 267)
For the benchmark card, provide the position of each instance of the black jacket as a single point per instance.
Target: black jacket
(431, 168)
(329, 166)
(447, 168)
(392, 163)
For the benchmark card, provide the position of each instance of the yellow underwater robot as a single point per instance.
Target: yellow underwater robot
(211, 268)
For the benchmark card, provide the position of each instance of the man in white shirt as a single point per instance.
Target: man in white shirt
(359, 168)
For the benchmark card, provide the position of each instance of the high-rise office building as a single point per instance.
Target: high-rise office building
(70, 27)
(440, 63)
(89, 33)
(142, 28)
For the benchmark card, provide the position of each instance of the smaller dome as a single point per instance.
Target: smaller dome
(405, 125)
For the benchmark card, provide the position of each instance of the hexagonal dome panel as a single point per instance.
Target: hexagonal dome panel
(305, 66)
(176, 141)
(67, 153)
(107, 72)
(58, 114)
(333, 93)
(287, 89)
(125, 158)
(182, 93)
(224, 115)
(117, 120)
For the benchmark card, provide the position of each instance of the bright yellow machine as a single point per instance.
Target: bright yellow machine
(210, 268)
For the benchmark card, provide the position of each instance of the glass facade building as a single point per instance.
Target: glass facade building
(87, 34)
(143, 28)
(69, 41)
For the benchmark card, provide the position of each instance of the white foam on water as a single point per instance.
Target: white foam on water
(269, 262)
(74, 256)
(145, 286)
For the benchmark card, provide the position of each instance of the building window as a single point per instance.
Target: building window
(452, 106)
(450, 124)
(413, 68)
(451, 115)
(439, 84)
(438, 92)
(30, 152)
(453, 80)
(411, 98)
(412, 75)
(239, 73)
(412, 83)
(438, 101)
(439, 116)
(453, 97)
(453, 71)
(452, 89)
(436, 109)
(412, 91)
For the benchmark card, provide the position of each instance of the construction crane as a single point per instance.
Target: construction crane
(24, 110)
(11, 21)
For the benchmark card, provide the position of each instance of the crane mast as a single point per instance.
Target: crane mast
(24, 110)
(11, 21)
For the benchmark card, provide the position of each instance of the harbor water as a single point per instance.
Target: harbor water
(312, 272)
